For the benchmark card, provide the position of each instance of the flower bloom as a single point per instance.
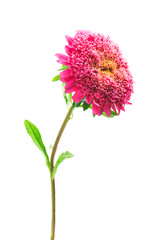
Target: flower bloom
(97, 72)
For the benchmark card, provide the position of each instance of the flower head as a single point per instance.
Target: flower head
(97, 72)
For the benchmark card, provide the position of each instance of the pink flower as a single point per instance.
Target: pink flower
(97, 72)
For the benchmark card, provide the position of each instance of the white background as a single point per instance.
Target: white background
(108, 191)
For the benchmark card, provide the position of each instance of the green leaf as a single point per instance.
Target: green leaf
(78, 104)
(56, 78)
(61, 158)
(113, 114)
(63, 68)
(85, 106)
(34, 133)
(67, 96)
(64, 94)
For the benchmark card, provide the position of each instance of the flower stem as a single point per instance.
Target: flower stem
(52, 166)
(53, 209)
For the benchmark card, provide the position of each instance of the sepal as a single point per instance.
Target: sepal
(56, 78)
(63, 68)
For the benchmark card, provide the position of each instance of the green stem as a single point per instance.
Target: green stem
(53, 209)
(52, 166)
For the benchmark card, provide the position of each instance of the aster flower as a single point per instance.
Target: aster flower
(97, 72)
(94, 75)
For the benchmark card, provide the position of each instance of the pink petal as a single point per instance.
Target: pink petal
(72, 89)
(70, 84)
(114, 108)
(61, 56)
(97, 109)
(65, 76)
(67, 79)
(68, 50)
(118, 108)
(107, 110)
(89, 99)
(69, 40)
(83, 31)
(63, 59)
(65, 73)
(122, 108)
(78, 96)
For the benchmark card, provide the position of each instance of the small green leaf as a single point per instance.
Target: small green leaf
(61, 158)
(67, 96)
(63, 68)
(113, 113)
(78, 104)
(70, 98)
(34, 133)
(64, 94)
(85, 106)
(56, 78)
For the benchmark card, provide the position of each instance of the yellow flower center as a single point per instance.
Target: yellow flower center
(106, 67)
